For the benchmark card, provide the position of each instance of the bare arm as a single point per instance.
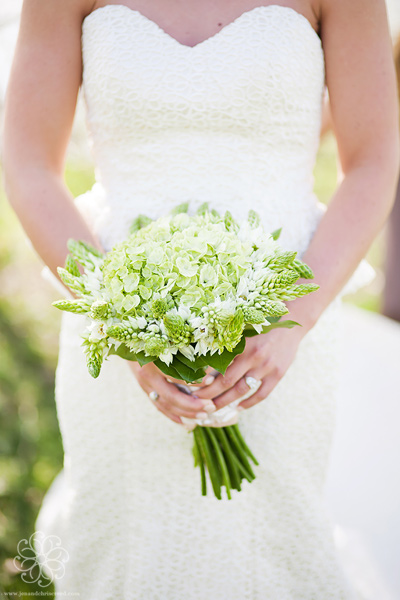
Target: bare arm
(362, 90)
(40, 107)
(364, 112)
(39, 112)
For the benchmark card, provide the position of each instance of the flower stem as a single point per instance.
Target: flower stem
(233, 470)
(199, 461)
(243, 470)
(244, 445)
(220, 457)
(241, 453)
(210, 461)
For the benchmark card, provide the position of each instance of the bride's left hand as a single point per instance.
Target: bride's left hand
(266, 357)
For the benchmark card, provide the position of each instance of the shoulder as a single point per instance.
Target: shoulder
(357, 13)
(56, 10)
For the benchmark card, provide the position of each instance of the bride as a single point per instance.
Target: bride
(218, 102)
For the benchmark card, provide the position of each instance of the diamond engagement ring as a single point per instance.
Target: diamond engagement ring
(153, 396)
(252, 382)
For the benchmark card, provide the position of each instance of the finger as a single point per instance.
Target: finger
(268, 385)
(185, 403)
(237, 391)
(223, 383)
(167, 413)
(207, 379)
(179, 403)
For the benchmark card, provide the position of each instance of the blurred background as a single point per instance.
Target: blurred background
(30, 444)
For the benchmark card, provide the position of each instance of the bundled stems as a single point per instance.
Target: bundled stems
(223, 452)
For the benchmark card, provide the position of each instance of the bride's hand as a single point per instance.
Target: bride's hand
(266, 358)
(171, 401)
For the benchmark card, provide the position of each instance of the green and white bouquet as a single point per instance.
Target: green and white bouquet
(184, 292)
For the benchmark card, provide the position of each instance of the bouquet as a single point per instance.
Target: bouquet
(184, 292)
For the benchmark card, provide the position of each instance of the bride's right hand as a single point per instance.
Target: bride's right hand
(171, 401)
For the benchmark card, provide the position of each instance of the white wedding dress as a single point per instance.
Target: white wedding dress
(233, 121)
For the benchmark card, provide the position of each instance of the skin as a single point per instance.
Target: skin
(360, 76)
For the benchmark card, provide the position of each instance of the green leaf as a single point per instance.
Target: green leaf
(186, 373)
(168, 370)
(279, 325)
(275, 234)
(196, 364)
(220, 362)
(124, 352)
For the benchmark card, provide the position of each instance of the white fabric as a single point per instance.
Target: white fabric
(234, 121)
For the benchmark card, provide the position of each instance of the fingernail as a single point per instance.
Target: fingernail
(209, 380)
(194, 388)
(240, 408)
(209, 407)
(201, 415)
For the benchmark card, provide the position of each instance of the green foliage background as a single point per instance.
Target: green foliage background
(30, 443)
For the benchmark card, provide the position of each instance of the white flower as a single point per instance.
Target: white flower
(96, 331)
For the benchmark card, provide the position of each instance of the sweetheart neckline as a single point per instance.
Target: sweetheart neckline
(219, 33)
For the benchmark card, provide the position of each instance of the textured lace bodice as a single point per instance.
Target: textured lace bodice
(234, 120)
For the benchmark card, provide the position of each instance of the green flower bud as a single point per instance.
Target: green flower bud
(70, 281)
(253, 219)
(138, 223)
(278, 280)
(303, 270)
(203, 208)
(122, 333)
(159, 308)
(71, 266)
(272, 308)
(231, 335)
(253, 316)
(178, 331)
(94, 366)
(282, 260)
(94, 355)
(83, 252)
(75, 306)
(154, 345)
(296, 291)
(220, 318)
(100, 309)
(230, 223)
(181, 208)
